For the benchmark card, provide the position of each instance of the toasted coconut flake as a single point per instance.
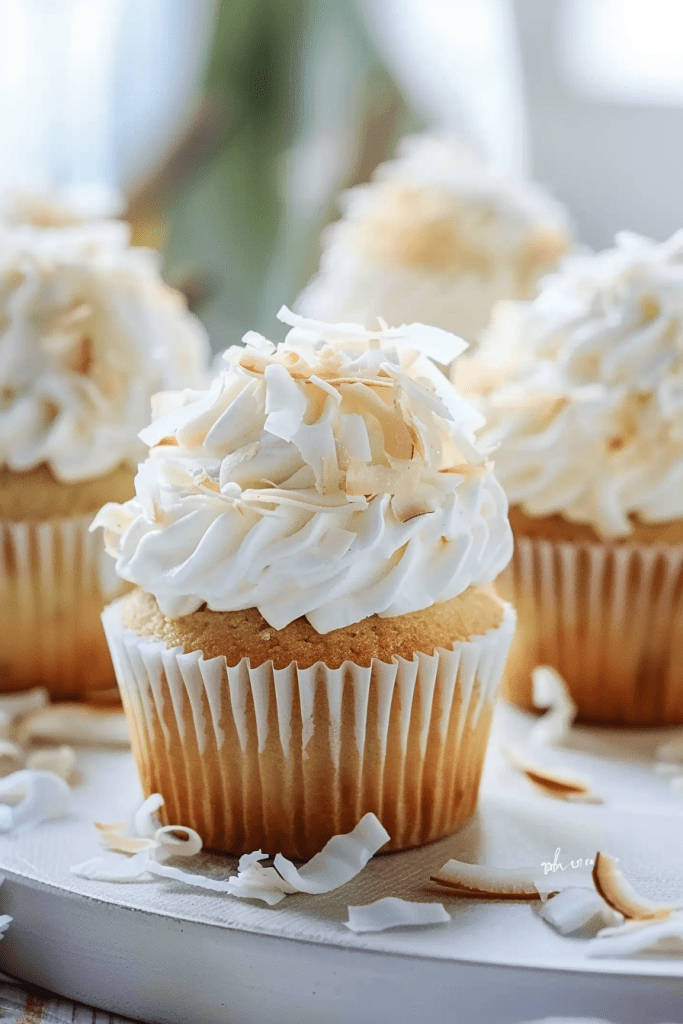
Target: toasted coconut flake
(663, 935)
(550, 692)
(252, 362)
(340, 860)
(466, 469)
(391, 912)
(618, 892)
(576, 909)
(76, 724)
(11, 758)
(113, 837)
(550, 782)
(477, 880)
(406, 509)
(60, 760)
(30, 797)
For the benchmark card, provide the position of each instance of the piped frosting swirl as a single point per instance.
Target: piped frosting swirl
(334, 476)
(88, 333)
(583, 389)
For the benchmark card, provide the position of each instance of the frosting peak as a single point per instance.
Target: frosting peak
(88, 332)
(333, 476)
(440, 234)
(584, 398)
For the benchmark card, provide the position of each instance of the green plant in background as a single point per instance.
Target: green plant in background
(302, 107)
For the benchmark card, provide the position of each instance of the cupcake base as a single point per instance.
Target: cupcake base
(54, 580)
(608, 617)
(285, 758)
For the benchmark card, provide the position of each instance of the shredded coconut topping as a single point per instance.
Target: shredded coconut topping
(584, 400)
(335, 476)
(88, 333)
(439, 234)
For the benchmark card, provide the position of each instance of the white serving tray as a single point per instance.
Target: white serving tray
(159, 951)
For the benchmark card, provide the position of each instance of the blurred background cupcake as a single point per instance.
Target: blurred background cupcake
(583, 393)
(88, 332)
(438, 236)
(313, 635)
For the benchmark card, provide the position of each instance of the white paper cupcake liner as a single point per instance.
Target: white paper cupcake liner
(55, 579)
(285, 758)
(609, 618)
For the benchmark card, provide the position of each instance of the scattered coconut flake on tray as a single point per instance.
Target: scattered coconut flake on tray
(340, 859)
(550, 692)
(29, 797)
(392, 912)
(152, 845)
(559, 785)
(476, 880)
(662, 935)
(114, 838)
(617, 891)
(114, 868)
(577, 909)
(77, 724)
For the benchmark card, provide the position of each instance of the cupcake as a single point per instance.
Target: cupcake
(88, 332)
(583, 393)
(438, 236)
(313, 634)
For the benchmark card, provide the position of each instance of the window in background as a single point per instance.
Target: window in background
(624, 50)
(603, 91)
(458, 64)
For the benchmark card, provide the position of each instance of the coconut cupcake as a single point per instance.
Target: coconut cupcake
(438, 236)
(313, 635)
(88, 332)
(584, 404)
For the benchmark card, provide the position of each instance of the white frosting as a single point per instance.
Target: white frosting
(330, 477)
(438, 236)
(88, 333)
(586, 413)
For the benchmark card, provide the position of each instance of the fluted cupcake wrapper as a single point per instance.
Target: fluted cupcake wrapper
(283, 759)
(609, 618)
(55, 578)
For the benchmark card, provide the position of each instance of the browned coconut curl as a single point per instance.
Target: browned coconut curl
(474, 880)
(113, 837)
(558, 785)
(618, 892)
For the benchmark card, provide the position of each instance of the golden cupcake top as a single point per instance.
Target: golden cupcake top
(334, 476)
